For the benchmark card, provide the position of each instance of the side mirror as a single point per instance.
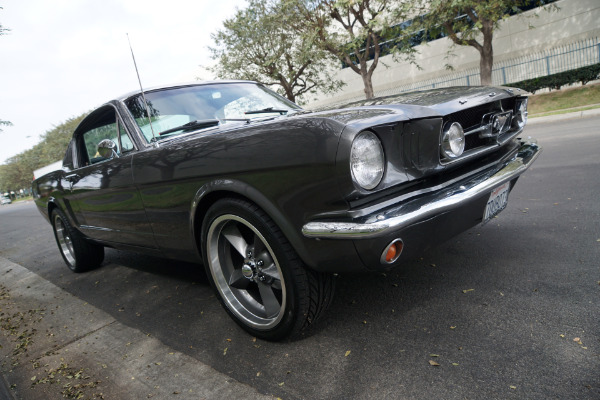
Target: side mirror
(107, 149)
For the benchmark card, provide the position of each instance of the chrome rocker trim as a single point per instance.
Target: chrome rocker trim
(401, 216)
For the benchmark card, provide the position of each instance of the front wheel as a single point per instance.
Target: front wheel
(79, 254)
(258, 276)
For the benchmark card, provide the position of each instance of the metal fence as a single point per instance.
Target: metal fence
(547, 62)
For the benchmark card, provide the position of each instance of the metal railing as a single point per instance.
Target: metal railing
(543, 63)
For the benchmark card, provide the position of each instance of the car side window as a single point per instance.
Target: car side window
(101, 125)
(94, 136)
(125, 144)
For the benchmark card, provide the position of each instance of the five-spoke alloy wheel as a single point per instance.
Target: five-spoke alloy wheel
(260, 280)
(246, 271)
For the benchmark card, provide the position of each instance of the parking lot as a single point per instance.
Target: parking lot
(507, 310)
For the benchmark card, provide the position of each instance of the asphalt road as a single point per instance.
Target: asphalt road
(498, 308)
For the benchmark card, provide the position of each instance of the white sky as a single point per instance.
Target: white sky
(65, 57)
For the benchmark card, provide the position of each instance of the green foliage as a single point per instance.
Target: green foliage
(5, 123)
(556, 81)
(3, 30)
(257, 44)
(353, 31)
(17, 173)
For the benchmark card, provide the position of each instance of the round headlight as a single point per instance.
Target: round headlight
(453, 140)
(366, 160)
(521, 117)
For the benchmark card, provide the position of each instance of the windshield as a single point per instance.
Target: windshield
(225, 102)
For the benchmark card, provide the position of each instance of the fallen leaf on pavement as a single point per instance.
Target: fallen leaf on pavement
(433, 363)
(468, 290)
(347, 353)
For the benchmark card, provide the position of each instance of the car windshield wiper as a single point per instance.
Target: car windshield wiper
(267, 110)
(198, 124)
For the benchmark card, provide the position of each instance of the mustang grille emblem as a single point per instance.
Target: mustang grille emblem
(495, 124)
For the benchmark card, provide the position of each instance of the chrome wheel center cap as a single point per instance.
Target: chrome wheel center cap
(248, 269)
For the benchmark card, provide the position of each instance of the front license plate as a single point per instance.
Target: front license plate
(497, 202)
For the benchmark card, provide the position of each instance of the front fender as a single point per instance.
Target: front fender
(319, 255)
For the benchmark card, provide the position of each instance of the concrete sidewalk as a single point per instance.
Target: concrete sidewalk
(53, 345)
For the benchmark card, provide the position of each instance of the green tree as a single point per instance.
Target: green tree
(17, 173)
(472, 23)
(5, 123)
(3, 30)
(256, 44)
(356, 32)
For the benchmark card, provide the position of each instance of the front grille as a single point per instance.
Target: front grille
(471, 118)
(472, 122)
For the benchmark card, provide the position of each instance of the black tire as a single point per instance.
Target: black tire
(258, 277)
(79, 254)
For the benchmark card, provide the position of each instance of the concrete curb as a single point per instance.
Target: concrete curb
(53, 344)
(561, 117)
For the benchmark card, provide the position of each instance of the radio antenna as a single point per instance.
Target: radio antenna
(142, 90)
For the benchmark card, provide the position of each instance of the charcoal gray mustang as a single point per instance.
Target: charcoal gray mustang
(272, 199)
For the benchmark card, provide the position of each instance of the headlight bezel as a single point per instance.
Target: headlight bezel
(367, 160)
(521, 113)
(452, 143)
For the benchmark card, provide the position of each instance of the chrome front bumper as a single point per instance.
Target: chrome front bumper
(403, 215)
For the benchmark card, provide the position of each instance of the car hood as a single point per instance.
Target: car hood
(415, 105)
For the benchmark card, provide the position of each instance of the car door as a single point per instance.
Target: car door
(101, 188)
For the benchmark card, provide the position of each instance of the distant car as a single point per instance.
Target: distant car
(273, 199)
(5, 200)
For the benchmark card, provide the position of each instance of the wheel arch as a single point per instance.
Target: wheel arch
(51, 207)
(212, 192)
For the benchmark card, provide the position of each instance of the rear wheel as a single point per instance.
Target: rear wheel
(259, 278)
(79, 254)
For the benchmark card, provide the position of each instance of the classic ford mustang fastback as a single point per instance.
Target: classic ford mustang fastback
(273, 199)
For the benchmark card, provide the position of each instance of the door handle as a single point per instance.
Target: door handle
(72, 179)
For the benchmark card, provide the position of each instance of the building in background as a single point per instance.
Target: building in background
(560, 41)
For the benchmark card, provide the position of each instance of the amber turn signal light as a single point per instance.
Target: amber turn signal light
(392, 251)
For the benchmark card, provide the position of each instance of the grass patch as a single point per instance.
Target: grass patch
(564, 111)
(563, 99)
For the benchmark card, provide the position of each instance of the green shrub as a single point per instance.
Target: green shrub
(556, 81)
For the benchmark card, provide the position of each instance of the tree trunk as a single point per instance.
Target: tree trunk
(486, 59)
(368, 84)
